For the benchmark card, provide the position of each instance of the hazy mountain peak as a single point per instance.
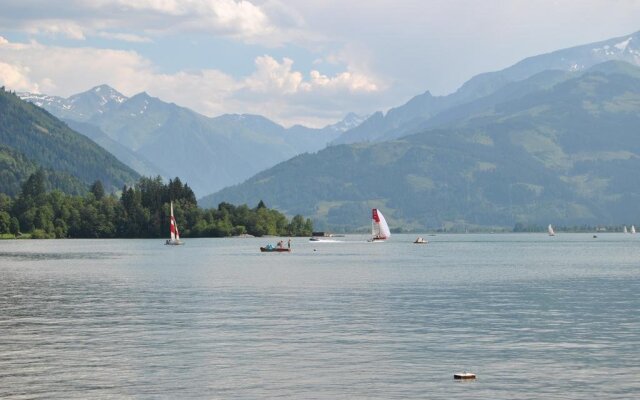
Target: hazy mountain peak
(104, 94)
(104, 88)
(350, 121)
(142, 96)
(252, 121)
(81, 106)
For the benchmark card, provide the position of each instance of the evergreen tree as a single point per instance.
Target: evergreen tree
(5, 202)
(14, 227)
(97, 189)
(5, 222)
(35, 185)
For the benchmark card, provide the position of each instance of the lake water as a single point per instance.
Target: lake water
(533, 316)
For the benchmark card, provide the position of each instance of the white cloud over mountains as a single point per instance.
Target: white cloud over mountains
(272, 76)
(63, 71)
(13, 76)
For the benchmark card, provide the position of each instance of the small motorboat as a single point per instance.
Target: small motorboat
(323, 240)
(275, 249)
(420, 240)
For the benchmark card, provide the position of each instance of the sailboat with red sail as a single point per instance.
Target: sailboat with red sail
(174, 233)
(379, 228)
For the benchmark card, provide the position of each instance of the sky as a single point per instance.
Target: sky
(304, 62)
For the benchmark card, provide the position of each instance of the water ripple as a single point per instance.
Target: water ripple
(132, 319)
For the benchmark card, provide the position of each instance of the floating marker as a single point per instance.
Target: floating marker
(464, 375)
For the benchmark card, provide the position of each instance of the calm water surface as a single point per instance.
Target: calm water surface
(533, 316)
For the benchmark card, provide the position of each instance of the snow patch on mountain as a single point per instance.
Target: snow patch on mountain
(622, 46)
(576, 67)
(107, 95)
(617, 49)
(350, 121)
(81, 106)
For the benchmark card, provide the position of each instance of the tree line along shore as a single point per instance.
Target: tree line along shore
(140, 211)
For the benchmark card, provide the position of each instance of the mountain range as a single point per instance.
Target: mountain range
(158, 138)
(552, 139)
(413, 116)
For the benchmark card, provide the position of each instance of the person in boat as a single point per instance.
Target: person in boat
(281, 244)
(289, 243)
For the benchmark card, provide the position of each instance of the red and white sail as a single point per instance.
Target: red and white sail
(379, 228)
(175, 234)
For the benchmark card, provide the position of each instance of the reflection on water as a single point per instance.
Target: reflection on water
(532, 317)
(35, 256)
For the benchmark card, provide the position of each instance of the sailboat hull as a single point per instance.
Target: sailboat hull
(173, 242)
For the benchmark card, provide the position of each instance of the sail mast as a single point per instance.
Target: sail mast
(374, 232)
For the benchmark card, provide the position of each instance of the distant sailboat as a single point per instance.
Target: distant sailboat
(633, 229)
(173, 231)
(550, 230)
(624, 230)
(379, 228)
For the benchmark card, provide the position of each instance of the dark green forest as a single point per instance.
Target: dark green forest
(15, 168)
(141, 211)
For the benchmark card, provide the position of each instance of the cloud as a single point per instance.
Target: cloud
(125, 37)
(16, 78)
(68, 70)
(68, 29)
(274, 89)
(279, 78)
(354, 82)
(272, 24)
(236, 18)
(274, 77)
(209, 92)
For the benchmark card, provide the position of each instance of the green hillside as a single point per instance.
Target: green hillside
(31, 138)
(565, 154)
(15, 168)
